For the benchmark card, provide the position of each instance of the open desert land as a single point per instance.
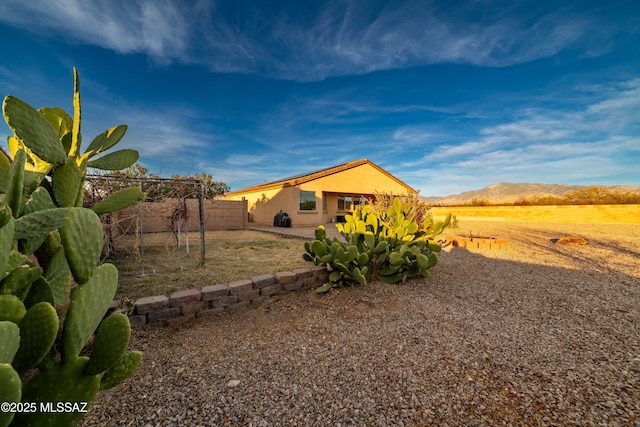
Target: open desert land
(535, 334)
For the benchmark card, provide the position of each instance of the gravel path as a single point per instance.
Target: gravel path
(537, 334)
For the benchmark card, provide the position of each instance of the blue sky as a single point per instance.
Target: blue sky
(447, 95)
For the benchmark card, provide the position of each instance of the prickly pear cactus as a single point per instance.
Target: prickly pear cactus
(390, 246)
(53, 292)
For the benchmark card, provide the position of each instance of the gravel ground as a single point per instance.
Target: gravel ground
(537, 334)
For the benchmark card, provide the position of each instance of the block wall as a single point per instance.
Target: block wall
(188, 305)
(218, 215)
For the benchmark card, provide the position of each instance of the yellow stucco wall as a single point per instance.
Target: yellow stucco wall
(576, 214)
(361, 180)
(260, 204)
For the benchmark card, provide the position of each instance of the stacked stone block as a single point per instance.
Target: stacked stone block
(477, 242)
(185, 306)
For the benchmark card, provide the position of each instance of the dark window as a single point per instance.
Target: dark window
(307, 200)
(344, 203)
(347, 203)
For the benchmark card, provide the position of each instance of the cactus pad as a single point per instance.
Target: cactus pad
(6, 239)
(16, 183)
(110, 343)
(9, 341)
(116, 160)
(40, 291)
(121, 370)
(19, 279)
(38, 331)
(106, 140)
(119, 200)
(5, 167)
(33, 129)
(59, 383)
(39, 200)
(11, 390)
(66, 181)
(11, 309)
(58, 275)
(41, 222)
(82, 238)
(88, 304)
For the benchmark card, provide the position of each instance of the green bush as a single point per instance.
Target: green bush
(53, 293)
(386, 244)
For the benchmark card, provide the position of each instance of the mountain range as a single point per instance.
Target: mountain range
(505, 192)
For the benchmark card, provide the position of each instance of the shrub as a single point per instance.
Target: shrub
(414, 208)
(389, 245)
(53, 293)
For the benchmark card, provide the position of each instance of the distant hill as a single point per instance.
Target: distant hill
(505, 192)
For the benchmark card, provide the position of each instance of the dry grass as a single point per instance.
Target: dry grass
(230, 255)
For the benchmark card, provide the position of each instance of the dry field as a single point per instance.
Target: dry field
(537, 334)
(230, 255)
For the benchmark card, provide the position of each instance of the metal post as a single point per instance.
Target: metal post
(186, 224)
(141, 237)
(201, 209)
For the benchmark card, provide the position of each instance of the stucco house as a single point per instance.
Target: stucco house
(321, 196)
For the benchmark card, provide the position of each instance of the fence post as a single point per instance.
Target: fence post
(186, 224)
(141, 236)
(201, 209)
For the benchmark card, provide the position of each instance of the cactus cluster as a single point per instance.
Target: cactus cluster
(388, 245)
(53, 292)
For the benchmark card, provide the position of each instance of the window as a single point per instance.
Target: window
(358, 201)
(344, 203)
(307, 200)
(348, 203)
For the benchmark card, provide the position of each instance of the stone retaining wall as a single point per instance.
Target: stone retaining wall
(477, 242)
(184, 306)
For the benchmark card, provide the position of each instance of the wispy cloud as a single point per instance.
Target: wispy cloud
(159, 28)
(411, 33)
(590, 144)
(166, 140)
(244, 159)
(330, 39)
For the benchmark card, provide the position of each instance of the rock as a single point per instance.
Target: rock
(571, 240)
(233, 384)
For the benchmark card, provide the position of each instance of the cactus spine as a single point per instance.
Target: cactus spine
(53, 292)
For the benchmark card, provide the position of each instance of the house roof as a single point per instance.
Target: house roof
(321, 173)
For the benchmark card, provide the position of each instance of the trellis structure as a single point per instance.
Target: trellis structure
(100, 186)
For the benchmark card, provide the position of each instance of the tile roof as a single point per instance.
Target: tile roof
(310, 176)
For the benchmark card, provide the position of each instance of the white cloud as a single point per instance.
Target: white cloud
(158, 28)
(587, 144)
(340, 38)
(163, 138)
(244, 159)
